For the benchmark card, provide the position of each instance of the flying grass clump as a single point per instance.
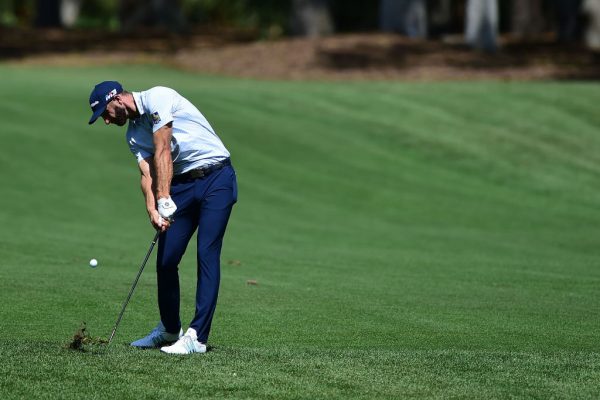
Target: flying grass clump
(82, 338)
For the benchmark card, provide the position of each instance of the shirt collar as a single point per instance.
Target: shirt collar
(137, 97)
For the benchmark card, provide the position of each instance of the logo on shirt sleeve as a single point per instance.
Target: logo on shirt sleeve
(155, 118)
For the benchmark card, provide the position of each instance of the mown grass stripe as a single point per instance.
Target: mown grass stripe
(426, 240)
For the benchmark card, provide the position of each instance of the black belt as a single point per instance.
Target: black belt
(201, 172)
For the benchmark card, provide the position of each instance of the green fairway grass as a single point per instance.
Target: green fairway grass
(408, 240)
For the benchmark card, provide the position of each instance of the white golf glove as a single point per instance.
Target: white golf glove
(166, 207)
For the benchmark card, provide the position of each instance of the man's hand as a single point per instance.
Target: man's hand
(166, 207)
(158, 222)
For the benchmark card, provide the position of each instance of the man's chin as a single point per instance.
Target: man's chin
(120, 123)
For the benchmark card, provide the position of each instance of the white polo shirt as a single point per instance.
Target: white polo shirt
(194, 142)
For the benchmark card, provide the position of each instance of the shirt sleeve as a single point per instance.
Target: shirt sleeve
(160, 107)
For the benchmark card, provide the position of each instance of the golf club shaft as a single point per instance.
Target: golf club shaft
(133, 286)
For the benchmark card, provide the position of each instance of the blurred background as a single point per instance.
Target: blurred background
(323, 39)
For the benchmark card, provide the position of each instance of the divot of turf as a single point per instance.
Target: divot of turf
(82, 338)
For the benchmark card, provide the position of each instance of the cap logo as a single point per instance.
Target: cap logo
(111, 94)
(94, 104)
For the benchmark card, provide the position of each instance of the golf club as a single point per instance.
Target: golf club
(133, 287)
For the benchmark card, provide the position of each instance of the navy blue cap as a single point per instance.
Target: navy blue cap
(102, 94)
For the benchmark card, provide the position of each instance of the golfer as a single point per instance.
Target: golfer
(188, 182)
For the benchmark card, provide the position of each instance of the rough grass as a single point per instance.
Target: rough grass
(406, 241)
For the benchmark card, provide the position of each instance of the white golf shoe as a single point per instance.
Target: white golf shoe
(187, 344)
(157, 338)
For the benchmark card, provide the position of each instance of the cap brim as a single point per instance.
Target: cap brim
(96, 115)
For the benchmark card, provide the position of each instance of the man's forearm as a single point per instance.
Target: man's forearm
(164, 172)
(146, 184)
(163, 164)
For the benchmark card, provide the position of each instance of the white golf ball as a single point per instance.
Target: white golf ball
(93, 263)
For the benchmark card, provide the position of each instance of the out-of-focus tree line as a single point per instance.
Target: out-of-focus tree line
(481, 21)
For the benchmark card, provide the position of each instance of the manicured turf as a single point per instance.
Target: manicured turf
(408, 240)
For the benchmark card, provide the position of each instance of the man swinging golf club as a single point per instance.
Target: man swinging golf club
(188, 182)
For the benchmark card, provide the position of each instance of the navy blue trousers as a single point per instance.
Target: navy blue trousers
(203, 204)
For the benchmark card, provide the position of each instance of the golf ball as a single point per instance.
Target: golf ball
(93, 263)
